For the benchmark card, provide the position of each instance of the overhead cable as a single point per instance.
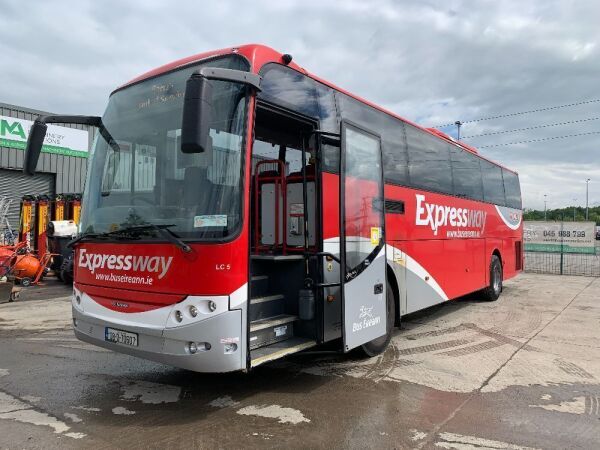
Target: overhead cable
(531, 128)
(539, 140)
(549, 108)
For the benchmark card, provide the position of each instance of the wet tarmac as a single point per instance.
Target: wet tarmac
(523, 372)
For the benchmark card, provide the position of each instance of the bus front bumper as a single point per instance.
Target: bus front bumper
(218, 341)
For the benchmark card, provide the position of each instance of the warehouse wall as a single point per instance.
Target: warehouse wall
(57, 174)
(70, 170)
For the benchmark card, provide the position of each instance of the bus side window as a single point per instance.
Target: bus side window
(466, 173)
(428, 161)
(512, 189)
(493, 185)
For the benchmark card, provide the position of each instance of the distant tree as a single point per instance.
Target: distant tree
(564, 214)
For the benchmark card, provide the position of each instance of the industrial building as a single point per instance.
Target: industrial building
(62, 165)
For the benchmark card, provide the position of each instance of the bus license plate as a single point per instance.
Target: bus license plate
(121, 337)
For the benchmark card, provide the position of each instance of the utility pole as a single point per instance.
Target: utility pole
(574, 208)
(458, 124)
(587, 186)
(545, 215)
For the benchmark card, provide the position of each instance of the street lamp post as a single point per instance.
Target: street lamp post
(458, 124)
(574, 208)
(587, 185)
(545, 215)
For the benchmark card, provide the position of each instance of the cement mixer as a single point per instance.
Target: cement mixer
(28, 269)
(18, 263)
(8, 259)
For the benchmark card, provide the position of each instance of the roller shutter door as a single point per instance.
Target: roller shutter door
(15, 184)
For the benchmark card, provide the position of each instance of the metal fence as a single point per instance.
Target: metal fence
(564, 263)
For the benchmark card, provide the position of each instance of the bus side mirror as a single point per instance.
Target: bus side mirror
(37, 133)
(197, 115)
(35, 140)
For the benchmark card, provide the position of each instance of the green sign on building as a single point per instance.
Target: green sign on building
(59, 140)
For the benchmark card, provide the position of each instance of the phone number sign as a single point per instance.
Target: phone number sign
(559, 237)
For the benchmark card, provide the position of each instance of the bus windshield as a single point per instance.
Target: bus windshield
(145, 179)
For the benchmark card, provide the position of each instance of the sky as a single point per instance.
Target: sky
(433, 62)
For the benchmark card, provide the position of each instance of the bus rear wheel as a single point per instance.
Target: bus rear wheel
(493, 291)
(378, 346)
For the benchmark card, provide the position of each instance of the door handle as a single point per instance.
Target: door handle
(378, 288)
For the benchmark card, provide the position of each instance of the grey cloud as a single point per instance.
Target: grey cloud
(433, 62)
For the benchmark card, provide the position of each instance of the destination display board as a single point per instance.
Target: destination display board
(559, 237)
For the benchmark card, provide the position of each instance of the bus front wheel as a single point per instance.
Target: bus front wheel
(493, 291)
(378, 346)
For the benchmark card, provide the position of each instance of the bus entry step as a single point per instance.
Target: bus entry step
(271, 330)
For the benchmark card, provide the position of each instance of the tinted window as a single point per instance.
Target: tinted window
(329, 121)
(145, 118)
(362, 192)
(428, 161)
(493, 186)
(330, 157)
(466, 173)
(326, 108)
(512, 189)
(391, 130)
(288, 88)
(395, 159)
(395, 163)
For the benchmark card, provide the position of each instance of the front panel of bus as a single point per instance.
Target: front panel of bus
(138, 289)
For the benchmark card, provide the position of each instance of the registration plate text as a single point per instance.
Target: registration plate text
(121, 337)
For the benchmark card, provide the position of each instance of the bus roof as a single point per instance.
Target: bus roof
(258, 55)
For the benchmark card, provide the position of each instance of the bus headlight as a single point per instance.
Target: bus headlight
(195, 347)
(193, 311)
(230, 348)
(212, 306)
(178, 316)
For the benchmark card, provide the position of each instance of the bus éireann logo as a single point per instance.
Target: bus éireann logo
(366, 319)
(436, 216)
(365, 312)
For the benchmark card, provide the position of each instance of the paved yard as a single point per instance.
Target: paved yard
(523, 372)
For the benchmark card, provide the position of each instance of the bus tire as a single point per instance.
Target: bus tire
(493, 291)
(378, 346)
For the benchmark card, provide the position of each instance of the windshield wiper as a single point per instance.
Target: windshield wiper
(84, 236)
(161, 229)
(136, 231)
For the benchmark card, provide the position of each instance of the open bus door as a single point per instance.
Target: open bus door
(362, 237)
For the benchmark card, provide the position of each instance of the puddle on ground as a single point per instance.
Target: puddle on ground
(282, 414)
(148, 392)
(12, 408)
(223, 402)
(120, 411)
